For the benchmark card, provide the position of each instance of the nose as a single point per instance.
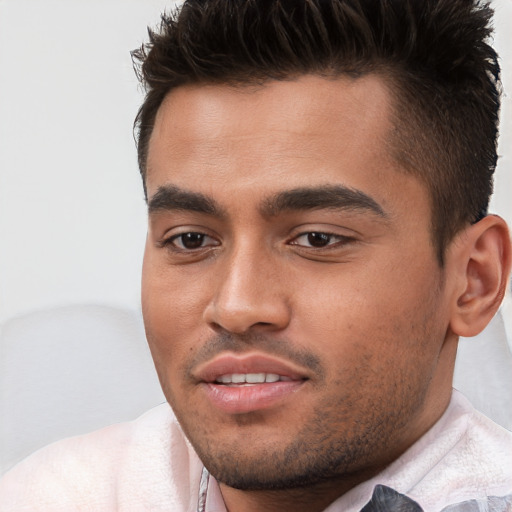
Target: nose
(248, 295)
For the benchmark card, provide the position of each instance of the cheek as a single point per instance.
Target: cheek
(388, 308)
(169, 325)
(171, 306)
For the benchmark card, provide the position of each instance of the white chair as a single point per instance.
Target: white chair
(68, 371)
(483, 369)
(71, 370)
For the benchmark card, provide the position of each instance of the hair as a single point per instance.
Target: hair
(433, 55)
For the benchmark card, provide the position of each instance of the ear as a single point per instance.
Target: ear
(481, 258)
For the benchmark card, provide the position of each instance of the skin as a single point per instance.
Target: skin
(365, 319)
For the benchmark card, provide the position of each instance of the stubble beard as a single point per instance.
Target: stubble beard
(333, 445)
(350, 434)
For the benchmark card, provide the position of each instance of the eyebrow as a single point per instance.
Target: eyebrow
(336, 197)
(170, 198)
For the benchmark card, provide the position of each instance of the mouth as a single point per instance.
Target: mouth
(235, 384)
(248, 379)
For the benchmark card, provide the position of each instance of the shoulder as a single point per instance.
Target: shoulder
(484, 453)
(147, 462)
(475, 461)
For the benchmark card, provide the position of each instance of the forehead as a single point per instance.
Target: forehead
(307, 105)
(283, 134)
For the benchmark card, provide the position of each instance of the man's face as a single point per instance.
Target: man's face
(293, 302)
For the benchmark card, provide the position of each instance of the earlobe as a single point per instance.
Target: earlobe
(484, 259)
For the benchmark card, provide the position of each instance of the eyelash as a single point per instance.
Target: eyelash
(339, 240)
(170, 242)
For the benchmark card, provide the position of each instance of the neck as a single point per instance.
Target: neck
(318, 497)
(313, 498)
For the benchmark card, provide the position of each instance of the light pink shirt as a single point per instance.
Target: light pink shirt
(148, 465)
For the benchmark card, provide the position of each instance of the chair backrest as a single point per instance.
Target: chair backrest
(68, 371)
(74, 369)
(483, 369)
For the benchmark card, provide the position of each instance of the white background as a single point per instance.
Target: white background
(72, 215)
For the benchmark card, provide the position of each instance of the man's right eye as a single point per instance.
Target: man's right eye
(190, 241)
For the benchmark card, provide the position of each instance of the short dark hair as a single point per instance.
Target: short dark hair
(433, 54)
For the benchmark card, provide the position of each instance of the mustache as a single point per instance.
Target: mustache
(241, 343)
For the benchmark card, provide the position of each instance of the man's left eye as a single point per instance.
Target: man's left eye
(319, 240)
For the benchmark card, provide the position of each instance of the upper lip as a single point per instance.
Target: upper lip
(229, 363)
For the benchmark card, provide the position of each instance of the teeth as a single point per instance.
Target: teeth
(250, 378)
(255, 378)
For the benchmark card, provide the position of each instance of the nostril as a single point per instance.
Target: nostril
(239, 309)
(239, 327)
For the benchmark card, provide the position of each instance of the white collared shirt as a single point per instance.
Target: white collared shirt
(149, 465)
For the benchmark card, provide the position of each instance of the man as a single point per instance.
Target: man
(317, 175)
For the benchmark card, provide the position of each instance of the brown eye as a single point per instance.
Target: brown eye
(321, 240)
(191, 240)
(318, 239)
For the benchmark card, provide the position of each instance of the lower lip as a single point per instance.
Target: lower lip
(250, 398)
